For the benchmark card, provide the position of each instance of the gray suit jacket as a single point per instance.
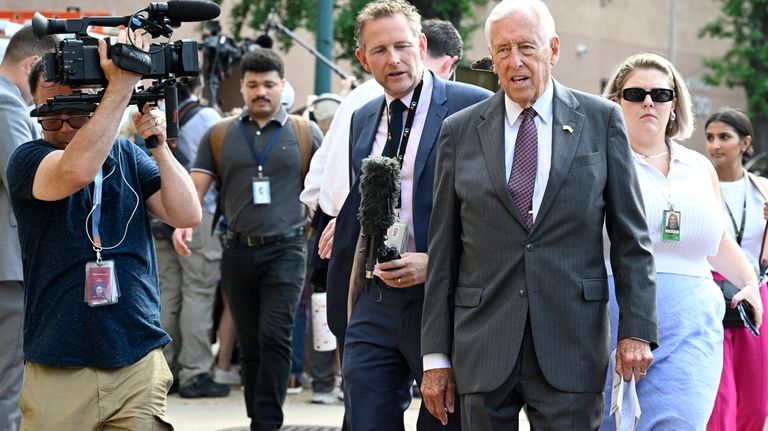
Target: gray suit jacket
(487, 272)
(17, 128)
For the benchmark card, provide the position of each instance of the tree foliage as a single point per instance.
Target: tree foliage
(745, 63)
(303, 14)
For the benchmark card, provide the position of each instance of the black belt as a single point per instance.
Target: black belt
(254, 240)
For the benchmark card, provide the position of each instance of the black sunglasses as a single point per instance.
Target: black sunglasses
(54, 124)
(658, 95)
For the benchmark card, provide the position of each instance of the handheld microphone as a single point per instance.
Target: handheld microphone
(186, 10)
(379, 192)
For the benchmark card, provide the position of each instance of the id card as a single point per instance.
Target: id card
(397, 236)
(670, 225)
(101, 283)
(261, 194)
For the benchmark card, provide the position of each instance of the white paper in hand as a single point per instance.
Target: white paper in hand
(625, 407)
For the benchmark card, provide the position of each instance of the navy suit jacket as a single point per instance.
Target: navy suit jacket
(447, 98)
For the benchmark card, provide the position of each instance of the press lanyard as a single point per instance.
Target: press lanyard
(740, 230)
(96, 212)
(408, 124)
(252, 142)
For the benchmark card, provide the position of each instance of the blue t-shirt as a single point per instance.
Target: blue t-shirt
(59, 327)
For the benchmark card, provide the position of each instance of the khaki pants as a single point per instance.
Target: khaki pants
(187, 292)
(132, 398)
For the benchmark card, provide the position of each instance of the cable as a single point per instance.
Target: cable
(135, 208)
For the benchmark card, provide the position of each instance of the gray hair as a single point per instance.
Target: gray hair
(544, 20)
(682, 126)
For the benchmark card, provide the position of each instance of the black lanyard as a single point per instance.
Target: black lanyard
(739, 230)
(408, 124)
(252, 142)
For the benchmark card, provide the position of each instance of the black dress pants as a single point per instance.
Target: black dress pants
(263, 284)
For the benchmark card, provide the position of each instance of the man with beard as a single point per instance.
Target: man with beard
(259, 168)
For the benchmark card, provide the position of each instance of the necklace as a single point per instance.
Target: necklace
(654, 156)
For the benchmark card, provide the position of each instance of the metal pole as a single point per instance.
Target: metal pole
(324, 45)
(273, 24)
(672, 30)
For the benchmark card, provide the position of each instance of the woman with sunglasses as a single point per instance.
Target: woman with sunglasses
(679, 389)
(744, 382)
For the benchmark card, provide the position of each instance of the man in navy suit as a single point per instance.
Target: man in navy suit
(382, 352)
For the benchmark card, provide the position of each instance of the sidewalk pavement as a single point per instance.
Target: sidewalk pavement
(228, 414)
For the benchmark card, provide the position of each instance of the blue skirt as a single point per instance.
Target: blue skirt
(679, 391)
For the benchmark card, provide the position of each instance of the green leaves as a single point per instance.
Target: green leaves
(303, 13)
(745, 63)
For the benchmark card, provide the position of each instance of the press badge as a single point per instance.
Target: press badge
(397, 236)
(670, 225)
(261, 194)
(101, 283)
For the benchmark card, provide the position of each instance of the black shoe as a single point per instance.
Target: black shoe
(174, 386)
(202, 386)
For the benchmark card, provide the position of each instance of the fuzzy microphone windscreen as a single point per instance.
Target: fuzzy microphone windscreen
(379, 192)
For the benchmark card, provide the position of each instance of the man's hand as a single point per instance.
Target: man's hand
(116, 76)
(325, 246)
(437, 388)
(409, 270)
(182, 237)
(633, 357)
(150, 122)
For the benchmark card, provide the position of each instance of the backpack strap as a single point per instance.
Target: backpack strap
(218, 132)
(304, 137)
(188, 111)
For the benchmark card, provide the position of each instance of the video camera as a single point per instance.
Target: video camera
(76, 61)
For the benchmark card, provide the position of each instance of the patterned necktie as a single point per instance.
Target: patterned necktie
(396, 109)
(523, 175)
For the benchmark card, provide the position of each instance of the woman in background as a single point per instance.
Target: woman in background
(742, 400)
(679, 389)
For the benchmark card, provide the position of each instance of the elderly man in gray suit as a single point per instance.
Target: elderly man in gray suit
(516, 295)
(17, 128)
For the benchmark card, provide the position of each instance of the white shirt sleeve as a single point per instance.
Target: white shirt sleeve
(436, 360)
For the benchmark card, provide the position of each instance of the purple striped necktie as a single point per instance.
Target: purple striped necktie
(523, 176)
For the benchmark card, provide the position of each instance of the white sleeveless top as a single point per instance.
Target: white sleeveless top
(736, 194)
(689, 188)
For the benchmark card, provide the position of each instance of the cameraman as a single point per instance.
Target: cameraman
(93, 358)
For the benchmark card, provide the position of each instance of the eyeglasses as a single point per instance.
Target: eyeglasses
(524, 49)
(658, 95)
(54, 124)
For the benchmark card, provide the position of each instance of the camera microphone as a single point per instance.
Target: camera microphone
(186, 10)
(176, 12)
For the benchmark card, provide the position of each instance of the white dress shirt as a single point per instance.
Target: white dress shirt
(409, 160)
(543, 120)
(330, 187)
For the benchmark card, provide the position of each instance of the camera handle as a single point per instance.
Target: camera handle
(171, 96)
